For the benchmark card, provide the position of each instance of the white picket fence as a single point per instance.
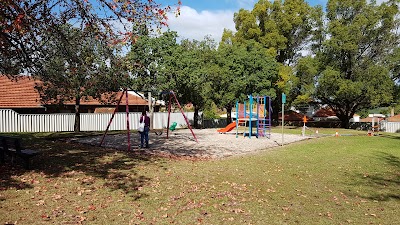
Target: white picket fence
(390, 127)
(10, 121)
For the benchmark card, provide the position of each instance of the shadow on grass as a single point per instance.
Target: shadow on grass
(393, 136)
(382, 186)
(7, 180)
(58, 158)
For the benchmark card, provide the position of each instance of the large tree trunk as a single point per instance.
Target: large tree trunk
(77, 125)
(345, 123)
(345, 119)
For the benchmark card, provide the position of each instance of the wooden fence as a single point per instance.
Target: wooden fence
(390, 127)
(10, 121)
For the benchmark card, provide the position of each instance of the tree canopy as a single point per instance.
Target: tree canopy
(187, 70)
(24, 25)
(353, 73)
(351, 64)
(82, 69)
(284, 28)
(244, 68)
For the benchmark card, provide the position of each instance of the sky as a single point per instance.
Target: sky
(199, 18)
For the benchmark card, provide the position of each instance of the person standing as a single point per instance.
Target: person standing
(144, 136)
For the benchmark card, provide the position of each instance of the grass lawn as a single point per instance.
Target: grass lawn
(329, 180)
(321, 131)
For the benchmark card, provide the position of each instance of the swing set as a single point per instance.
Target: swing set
(172, 96)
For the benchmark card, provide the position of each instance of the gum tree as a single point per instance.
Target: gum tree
(284, 29)
(353, 74)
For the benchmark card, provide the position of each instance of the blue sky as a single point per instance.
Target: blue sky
(230, 4)
(209, 17)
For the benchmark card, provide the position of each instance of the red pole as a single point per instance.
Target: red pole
(169, 113)
(112, 117)
(127, 120)
(186, 119)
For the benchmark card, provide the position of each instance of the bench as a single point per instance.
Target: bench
(12, 147)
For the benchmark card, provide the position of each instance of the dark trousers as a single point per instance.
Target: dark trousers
(144, 137)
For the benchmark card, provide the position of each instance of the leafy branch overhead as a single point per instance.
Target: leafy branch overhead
(25, 24)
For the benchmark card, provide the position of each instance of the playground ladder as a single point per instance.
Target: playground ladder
(264, 116)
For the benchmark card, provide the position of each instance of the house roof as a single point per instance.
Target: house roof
(21, 93)
(395, 118)
(324, 112)
(294, 116)
(369, 119)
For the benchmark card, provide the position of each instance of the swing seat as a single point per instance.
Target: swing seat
(173, 126)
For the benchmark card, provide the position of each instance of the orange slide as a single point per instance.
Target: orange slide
(228, 128)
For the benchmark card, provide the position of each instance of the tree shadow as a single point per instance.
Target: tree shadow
(382, 186)
(396, 137)
(58, 158)
(7, 180)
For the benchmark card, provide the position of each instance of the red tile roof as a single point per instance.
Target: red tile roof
(294, 116)
(324, 113)
(395, 118)
(21, 93)
(369, 119)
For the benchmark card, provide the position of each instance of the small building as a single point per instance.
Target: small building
(21, 96)
(293, 116)
(395, 118)
(355, 119)
(325, 114)
(373, 118)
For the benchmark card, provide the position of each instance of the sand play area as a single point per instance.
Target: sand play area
(181, 143)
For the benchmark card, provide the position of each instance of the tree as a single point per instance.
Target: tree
(304, 83)
(29, 30)
(147, 57)
(24, 25)
(285, 29)
(82, 69)
(186, 70)
(353, 75)
(242, 69)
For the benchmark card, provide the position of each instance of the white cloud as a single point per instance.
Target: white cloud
(192, 24)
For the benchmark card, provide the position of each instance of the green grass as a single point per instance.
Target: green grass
(330, 180)
(311, 131)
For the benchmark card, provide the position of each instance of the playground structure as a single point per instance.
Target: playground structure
(125, 92)
(255, 113)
